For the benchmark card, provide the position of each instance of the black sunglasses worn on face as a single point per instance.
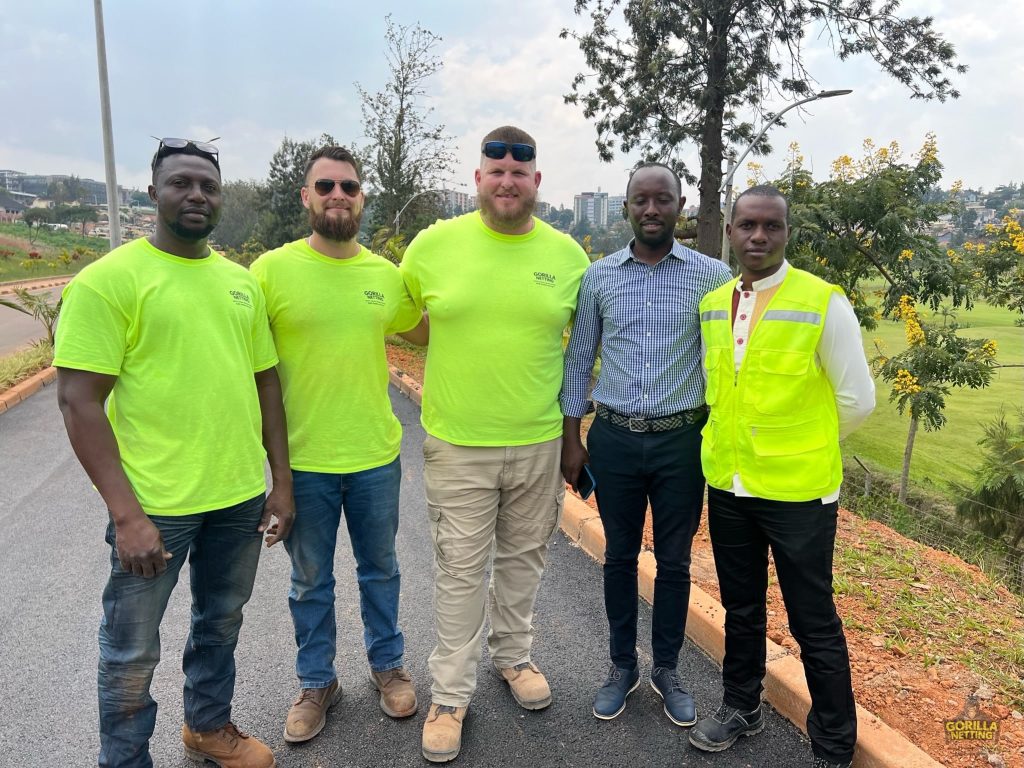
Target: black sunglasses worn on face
(324, 187)
(521, 153)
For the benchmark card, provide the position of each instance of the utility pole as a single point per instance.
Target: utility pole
(113, 200)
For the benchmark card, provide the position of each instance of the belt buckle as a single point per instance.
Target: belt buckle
(642, 425)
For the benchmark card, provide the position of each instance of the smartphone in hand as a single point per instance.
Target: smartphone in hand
(585, 483)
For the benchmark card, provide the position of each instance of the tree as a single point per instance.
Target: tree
(35, 218)
(241, 213)
(686, 71)
(998, 265)
(995, 504)
(37, 305)
(870, 219)
(936, 360)
(408, 155)
(283, 218)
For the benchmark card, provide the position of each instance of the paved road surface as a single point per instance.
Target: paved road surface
(53, 565)
(17, 329)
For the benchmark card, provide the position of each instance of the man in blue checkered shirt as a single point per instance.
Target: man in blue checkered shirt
(640, 306)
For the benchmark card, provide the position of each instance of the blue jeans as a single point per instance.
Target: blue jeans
(370, 502)
(223, 548)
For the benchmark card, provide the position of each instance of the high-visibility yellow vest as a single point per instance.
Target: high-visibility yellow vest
(774, 420)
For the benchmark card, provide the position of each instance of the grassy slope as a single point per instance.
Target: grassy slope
(951, 453)
(49, 244)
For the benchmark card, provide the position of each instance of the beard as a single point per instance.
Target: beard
(338, 229)
(518, 215)
(192, 234)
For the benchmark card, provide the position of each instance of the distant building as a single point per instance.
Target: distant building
(456, 202)
(92, 191)
(592, 206)
(542, 210)
(615, 203)
(10, 208)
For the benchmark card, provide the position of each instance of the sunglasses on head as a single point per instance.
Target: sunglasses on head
(171, 146)
(521, 153)
(324, 187)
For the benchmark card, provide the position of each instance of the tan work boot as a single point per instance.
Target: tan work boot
(397, 695)
(308, 714)
(528, 685)
(228, 747)
(442, 732)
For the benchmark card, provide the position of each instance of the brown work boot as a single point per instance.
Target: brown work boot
(442, 732)
(397, 695)
(228, 747)
(308, 714)
(528, 685)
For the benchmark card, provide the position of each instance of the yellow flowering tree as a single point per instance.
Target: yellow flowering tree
(998, 264)
(870, 218)
(935, 361)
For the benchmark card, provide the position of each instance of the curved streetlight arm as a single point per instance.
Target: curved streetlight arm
(820, 95)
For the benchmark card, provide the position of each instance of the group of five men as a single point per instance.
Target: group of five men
(179, 372)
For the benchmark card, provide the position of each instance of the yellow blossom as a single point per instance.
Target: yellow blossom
(906, 383)
(990, 348)
(906, 254)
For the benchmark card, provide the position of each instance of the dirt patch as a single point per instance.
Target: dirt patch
(408, 359)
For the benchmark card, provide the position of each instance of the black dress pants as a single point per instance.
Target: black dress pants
(632, 468)
(802, 538)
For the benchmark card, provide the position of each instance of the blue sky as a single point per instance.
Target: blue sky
(253, 72)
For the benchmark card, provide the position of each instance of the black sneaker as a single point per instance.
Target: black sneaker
(611, 697)
(720, 731)
(821, 762)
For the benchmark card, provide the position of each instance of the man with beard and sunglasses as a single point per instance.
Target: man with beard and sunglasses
(331, 302)
(174, 340)
(499, 287)
(639, 306)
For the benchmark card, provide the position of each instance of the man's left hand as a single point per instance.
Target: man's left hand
(280, 505)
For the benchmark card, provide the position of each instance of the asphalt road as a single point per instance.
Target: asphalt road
(17, 329)
(53, 565)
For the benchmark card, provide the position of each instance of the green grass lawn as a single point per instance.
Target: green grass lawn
(51, 246)
(951, 454)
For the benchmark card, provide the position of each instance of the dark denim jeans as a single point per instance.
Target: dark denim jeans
(632, 468)
(223, 549)
(370, 503)
(802, 537)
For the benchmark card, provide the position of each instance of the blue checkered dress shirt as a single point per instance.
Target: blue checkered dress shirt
(646, 321)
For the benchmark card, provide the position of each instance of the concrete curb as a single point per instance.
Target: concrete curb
(878, 745)
(34, 284)
(27, 388)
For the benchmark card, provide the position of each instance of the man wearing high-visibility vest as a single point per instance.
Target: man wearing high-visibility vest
(786, 379)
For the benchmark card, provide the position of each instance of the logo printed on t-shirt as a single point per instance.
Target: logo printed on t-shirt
(544, 278)
(374, 297)
(241, 298)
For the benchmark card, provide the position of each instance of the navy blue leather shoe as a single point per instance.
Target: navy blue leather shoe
(611, 697)
(678, 702)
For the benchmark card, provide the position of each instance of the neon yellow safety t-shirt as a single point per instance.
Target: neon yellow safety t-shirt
(183, 337)
(498, 305)
(329, 318)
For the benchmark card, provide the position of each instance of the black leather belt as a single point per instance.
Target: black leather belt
(660, 424)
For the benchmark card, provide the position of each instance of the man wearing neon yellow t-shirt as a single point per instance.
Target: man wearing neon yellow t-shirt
(331, 302)
(174, 339)
(499, 287)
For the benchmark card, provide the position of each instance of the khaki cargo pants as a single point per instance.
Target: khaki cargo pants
(487, 503)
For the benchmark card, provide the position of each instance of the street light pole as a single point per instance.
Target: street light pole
(113, 202)
(734, 165)
(398, 216)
